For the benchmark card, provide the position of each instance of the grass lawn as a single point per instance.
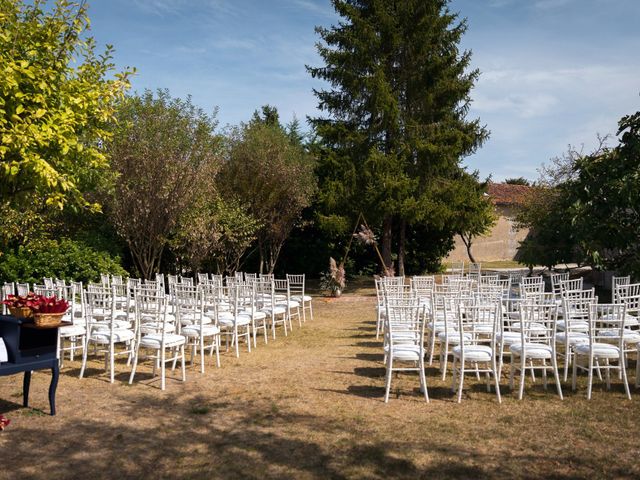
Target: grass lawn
(310, 406)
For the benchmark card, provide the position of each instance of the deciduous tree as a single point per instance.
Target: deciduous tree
(57, 98)
(166, 155)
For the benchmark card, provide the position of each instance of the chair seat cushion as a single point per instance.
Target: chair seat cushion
(72, 330)
(120, 335)
(532, 350)
(106, 325)
(574, 338)
(257, 315)
(290, 304)
(239, 320)
(629, 336)
(194, 318)
(301, 298)
(600, 350)
(629, 320)
(154, 340)
(156, 327)
(194, 330)
(482, 328)
(508, 338)
(408, 353)
(277, 310)
(453, 337)
(574, 325)
(474, 353)
(533, 328)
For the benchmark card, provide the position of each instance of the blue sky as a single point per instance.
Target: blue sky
(554, 72)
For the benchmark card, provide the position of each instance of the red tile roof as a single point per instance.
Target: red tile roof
(507, 194)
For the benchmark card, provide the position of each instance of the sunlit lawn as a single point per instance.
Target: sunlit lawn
(310, 406)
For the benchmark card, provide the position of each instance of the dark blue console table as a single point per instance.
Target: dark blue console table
(30, 348)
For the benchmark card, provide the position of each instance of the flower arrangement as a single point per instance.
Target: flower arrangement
(334, 280)
(36, 303)
(4, 422)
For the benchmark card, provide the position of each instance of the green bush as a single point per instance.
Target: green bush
(66, 259)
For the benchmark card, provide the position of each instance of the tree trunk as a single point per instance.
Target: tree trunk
(401, 251)
(467, 243)
(261, 250)
(387, 236)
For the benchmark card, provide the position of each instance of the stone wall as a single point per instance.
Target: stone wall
(500, 244)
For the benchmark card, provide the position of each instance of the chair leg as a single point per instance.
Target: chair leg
(623, 371)
(523, 364)
(423, 380)
(184, 370)
(496, 378)
(388, 383)
(554, 364)
(112, 363)
(461, 384)
(590, 378)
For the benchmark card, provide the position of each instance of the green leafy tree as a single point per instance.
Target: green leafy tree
(475, 214)
(59, 258)
(214, 235)
(57, 98)
(605, 194)
(166, 156)
(273, 176)
(396, 127)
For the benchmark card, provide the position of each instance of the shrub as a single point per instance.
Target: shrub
(64, 258)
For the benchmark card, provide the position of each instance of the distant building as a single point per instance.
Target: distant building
(502, 241)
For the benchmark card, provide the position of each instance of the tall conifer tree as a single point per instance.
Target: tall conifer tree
(396, 127)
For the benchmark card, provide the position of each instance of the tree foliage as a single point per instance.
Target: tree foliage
(57, 98)
(64, 258)
(587, 208)
(396, 126)
(272, 174)
(605, 194)
(166, 155)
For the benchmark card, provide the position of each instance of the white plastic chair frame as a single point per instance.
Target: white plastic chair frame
(404, 330)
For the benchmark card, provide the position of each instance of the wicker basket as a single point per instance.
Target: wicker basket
(21, 312)
(48, 319)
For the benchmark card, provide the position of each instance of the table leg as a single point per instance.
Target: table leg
(55, 373)
(26, 383)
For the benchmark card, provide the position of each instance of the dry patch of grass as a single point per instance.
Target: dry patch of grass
(310, 406)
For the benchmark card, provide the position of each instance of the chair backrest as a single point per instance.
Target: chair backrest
(393, 290)
(575, 311)
(607, 324)
(404, 324)
(474, 270)
(105, 279)
(456, 268)
(529, 288)
(589, 295)
(423, 284)
(239, 276)
(478, 323)
(569, 285)
(203, 278)
(556, 278)
(632, 304)
(537, 323)
(23, 289)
